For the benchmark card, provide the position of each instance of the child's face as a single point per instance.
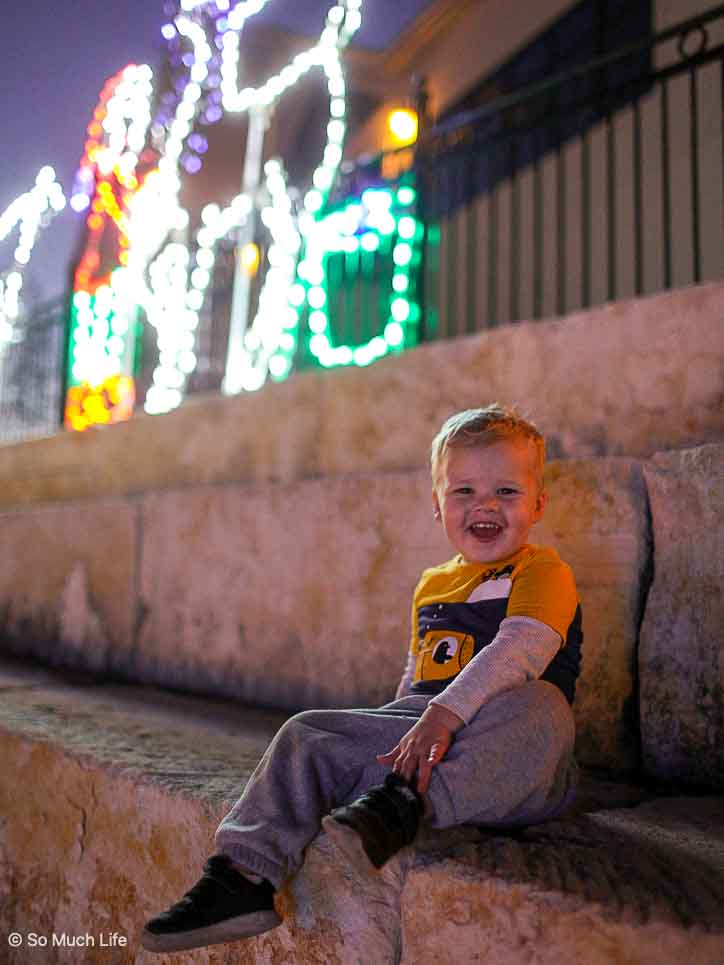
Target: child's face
(488, 498)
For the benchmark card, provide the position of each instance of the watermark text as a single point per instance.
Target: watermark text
(32, 939)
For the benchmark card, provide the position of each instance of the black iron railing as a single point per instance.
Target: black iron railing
(602, 182)
(32, 367)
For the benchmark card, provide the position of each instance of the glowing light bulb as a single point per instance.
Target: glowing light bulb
(249, 258)
(403, 125)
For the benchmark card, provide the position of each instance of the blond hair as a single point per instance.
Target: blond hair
(483, 427)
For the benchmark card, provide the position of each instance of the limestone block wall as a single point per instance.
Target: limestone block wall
(681, 655)
(68, 579)
(626, 379)
(299, 594)
(597, 518)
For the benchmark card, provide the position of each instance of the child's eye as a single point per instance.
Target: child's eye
(507, 491)
(463, 491)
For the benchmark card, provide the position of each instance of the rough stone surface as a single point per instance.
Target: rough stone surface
(299, 594)
(642, 886)
(292, 595)
(67, 582)
(263, 436)
(116, 792)
(681, 660)
(622, 379)
(596, 518)
(111, 813)
(614, 380)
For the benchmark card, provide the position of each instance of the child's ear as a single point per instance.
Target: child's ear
(435, 505)
(540, 504)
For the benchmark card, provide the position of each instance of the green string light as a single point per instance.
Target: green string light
(380, 226)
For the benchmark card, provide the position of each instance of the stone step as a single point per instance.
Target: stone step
(298, 595)
(628, 378)
(115, 791)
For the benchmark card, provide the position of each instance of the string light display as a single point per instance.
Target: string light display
(270, 341)
(381, 223)
(268, 344)
(266, 336)
(104, 312)
(178, 282)
(140, 264)
(29, 213)
(163, 276)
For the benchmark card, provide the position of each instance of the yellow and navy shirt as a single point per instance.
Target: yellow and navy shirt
(458, 607)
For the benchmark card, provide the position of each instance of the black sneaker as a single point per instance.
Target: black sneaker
(375, 826)
(222, 907)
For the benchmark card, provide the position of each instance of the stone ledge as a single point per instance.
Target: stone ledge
(206, 589)
(116, 791)
(680, 663)
(627, 378)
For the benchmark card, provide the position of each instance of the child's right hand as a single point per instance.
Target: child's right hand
(424, 745)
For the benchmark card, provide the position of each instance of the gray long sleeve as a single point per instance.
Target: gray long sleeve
(521, 650)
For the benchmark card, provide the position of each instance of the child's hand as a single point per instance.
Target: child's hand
(423, 746)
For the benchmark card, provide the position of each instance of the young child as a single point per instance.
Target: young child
(481, 729)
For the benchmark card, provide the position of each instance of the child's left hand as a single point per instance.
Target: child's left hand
(423, 746)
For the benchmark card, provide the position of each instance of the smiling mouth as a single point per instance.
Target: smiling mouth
(485, 532)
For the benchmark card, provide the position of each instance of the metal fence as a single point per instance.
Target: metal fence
(603, 182)
(31, 374)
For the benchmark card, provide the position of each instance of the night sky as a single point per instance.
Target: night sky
(54, 59)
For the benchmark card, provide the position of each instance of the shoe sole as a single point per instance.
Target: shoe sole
(243, 926)
(350, 844)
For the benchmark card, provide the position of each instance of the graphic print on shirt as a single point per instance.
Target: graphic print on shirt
(444, 653)
(491, 590)
(534, 583)
(450, 634)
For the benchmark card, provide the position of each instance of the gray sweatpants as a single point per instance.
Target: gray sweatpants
(512, 765)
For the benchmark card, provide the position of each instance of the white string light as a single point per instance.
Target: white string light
(271, 336)
(30, 212)
(160, 272)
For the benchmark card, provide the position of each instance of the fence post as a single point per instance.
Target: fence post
(420, 98)
(65, 355)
